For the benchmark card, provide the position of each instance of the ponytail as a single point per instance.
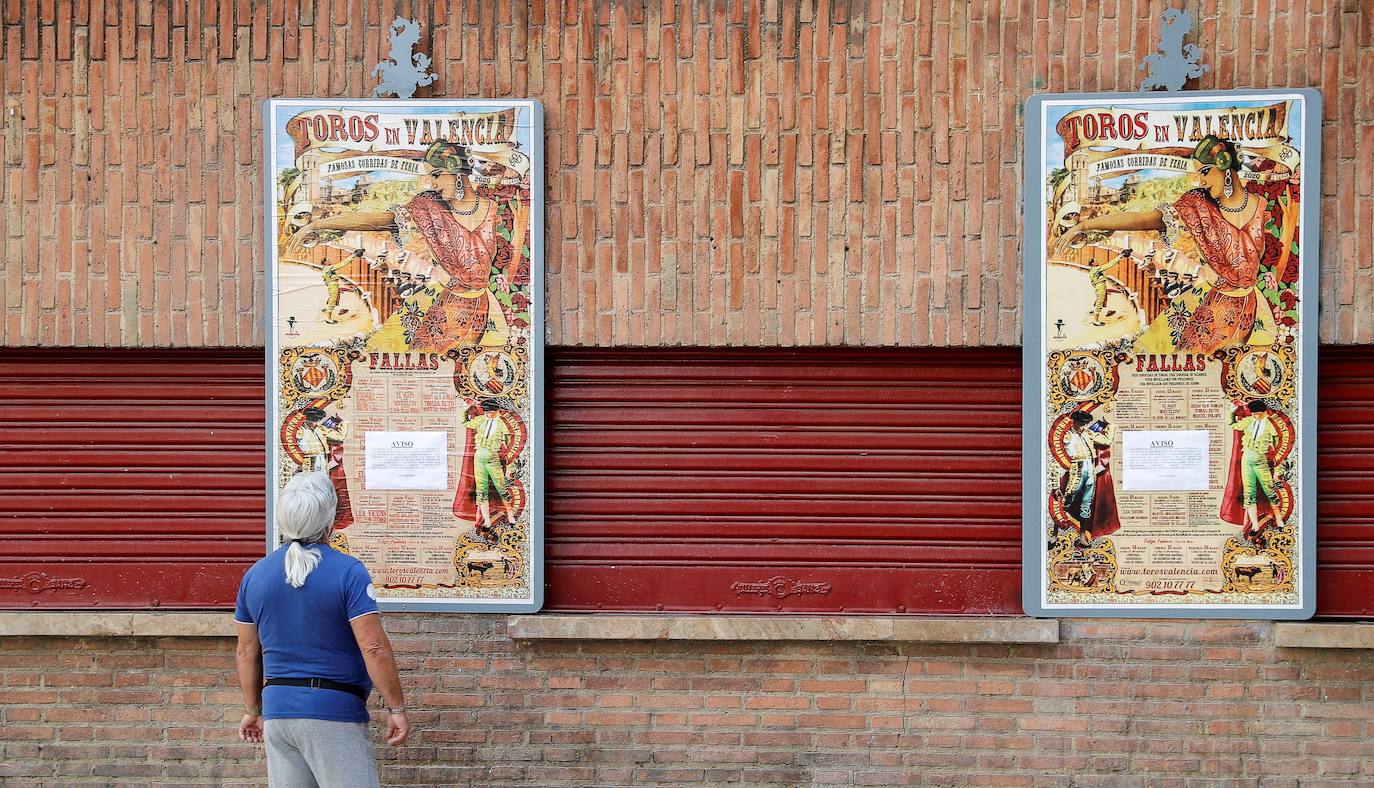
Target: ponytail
(300, 562)
(305, 512)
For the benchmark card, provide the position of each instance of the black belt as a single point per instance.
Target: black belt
(330, 684)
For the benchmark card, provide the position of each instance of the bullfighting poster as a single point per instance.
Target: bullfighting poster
(406, 326)
(1170, 352)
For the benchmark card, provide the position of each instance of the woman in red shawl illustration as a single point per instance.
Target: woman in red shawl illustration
(459, 227)
(1226, 218)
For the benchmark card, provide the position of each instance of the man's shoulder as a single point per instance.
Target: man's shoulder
(255, 585)
(263, 564)
(341, 562)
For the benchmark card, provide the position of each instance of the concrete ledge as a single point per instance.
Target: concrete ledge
(1309, 635)
(603, 626)
(116, 624)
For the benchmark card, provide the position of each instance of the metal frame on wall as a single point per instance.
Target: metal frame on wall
(405, 338)
(1169, 368)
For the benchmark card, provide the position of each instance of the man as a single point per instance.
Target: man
(1097, 275)
(321, 441)
(1087, 486)
(423, 286)
(310, 648)
(314, 438)
(330, 274)
(1173, 286)
(1258, 439)
(488, 439)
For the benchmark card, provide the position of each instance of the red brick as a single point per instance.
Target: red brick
(867, 718)
(945, 120)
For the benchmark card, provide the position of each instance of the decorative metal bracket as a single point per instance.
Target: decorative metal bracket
(1176, 62)
(405, 69)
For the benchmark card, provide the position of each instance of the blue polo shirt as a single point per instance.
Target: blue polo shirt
(306, 633)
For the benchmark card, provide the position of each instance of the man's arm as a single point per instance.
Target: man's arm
(1136, 220)
(380, 220)
(376, 220)
(249, 658)
(381, 668)
(471, 418)
(1105, 437)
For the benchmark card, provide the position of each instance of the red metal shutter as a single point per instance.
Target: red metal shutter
(129, 478)
(1345, 482)
(746, 480)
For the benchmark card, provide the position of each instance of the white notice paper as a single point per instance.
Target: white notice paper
(1164, 460)
(406, 461)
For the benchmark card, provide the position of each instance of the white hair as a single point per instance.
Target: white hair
(305, 512)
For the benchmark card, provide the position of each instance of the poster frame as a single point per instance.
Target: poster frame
(1033, 459)
(270, 107)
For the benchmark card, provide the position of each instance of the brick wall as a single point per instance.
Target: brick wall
(1115, 704)
(751, 172)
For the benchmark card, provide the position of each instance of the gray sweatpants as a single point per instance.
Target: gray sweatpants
(319, 754)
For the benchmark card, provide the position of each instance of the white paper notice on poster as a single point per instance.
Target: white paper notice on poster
(1165, 460)
(406, 460)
